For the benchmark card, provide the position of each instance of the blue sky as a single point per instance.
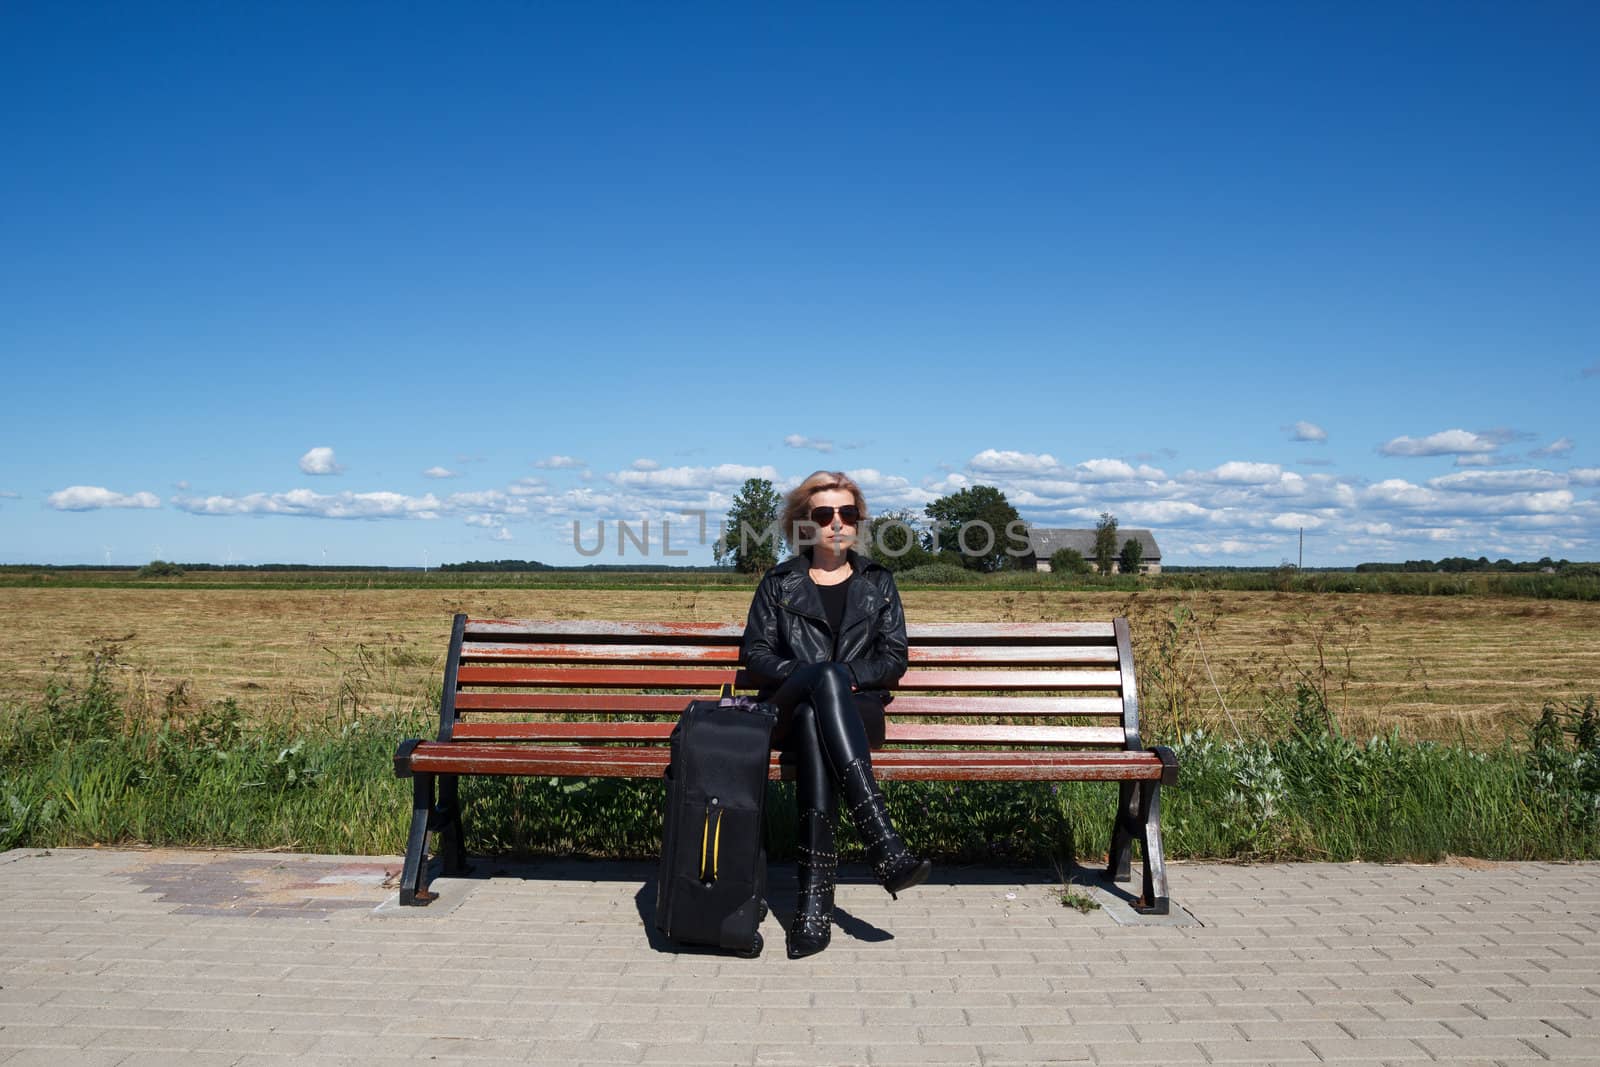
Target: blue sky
(386, 283)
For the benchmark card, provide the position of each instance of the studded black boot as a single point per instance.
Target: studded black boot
(892, 863)
(818, 869)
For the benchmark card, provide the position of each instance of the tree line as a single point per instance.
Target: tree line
(975, 529)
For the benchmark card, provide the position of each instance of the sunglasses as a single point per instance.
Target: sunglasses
(850, 515)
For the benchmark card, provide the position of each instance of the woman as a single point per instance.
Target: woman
(825, 640)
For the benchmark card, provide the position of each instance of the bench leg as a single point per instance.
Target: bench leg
(414, 876)
(1155, 899)
(452, 838)
(1123, 831)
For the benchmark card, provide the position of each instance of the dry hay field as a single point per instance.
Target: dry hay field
(1432, 666)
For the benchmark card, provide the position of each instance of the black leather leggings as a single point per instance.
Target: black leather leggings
(819, 723)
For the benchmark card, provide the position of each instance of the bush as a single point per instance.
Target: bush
(940, 574)
(1068, 561)
(159, 568)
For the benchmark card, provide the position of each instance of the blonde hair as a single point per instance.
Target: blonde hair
(797, 504)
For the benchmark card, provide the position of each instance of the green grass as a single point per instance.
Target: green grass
(78, 769)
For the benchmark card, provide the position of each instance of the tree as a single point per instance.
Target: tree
(750, 534)
(981, 525)
(1068, 561)
(1105, 542)
(159, 568)
(1131, 557)
(894, 541)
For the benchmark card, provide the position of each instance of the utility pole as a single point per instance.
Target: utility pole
(1302, 564)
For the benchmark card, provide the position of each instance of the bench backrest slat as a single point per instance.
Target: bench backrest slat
(671, 704)
(968, 655)
(1011, 674)
(898, 733)
(599, 631)
(690, 678)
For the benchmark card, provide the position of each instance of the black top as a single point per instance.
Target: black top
(833, 605)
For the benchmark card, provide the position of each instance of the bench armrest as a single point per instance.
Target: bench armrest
(402, 757)
(1169, 764)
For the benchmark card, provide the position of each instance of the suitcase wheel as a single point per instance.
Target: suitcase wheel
(754, 949)
(761, 915)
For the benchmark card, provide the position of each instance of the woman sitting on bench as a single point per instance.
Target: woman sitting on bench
(825, 640)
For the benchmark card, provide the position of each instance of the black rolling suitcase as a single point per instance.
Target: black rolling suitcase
(713, 865)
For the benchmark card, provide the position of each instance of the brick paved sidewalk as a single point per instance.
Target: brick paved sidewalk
(117, 957)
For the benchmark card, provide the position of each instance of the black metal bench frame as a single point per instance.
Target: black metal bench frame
(575, 677)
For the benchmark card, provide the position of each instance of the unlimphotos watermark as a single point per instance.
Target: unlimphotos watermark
(892, 537)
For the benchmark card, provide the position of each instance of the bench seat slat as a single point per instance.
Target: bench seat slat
(667, 704)
(898, 733)
(434, 757)
(710, 679)
(690, 655)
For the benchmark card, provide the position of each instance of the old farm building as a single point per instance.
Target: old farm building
(1043, 542)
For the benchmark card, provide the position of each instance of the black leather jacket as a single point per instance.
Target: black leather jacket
(788, 626)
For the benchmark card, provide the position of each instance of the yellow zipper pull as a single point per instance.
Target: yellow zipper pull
(705, 834)
(716, 846)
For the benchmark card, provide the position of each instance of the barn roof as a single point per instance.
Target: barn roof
(1045, 542)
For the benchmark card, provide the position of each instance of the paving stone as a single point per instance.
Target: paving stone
(135, 956)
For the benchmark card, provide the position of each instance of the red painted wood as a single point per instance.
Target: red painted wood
(590, 703)
(925, 656)
(598, 678)
(1023, 706)
(544, 629)
(903, 705)
(563, 731)
(569, 652)
(916, 679)
(721, 632)
(635, 762)
(898, 733)
(710, 679)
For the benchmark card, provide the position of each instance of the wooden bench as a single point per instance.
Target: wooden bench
(1055, 702)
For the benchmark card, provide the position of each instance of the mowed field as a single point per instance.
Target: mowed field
(1433, 666)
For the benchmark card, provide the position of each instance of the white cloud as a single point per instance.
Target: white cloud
(1556, 501)
(1238, 472)
(1308, 431)
(953, 482)
(559, 463)
(1586, 476)
(308, 504)
(94, 497)
(1502, 481)
(490, 501)
(1160, 513)
(1479, 459)
(1294, 520)
(817, 444)
(7, 494)
(1443, 443)
(645, 465)
(1559, 447)
(440, 472)
(320, 460)
(1105, 470)
(485, 521)
(526, 486)
(502, 534)
(1003, 461)
(1397, 492)
(1227, 547)
(690, 478)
